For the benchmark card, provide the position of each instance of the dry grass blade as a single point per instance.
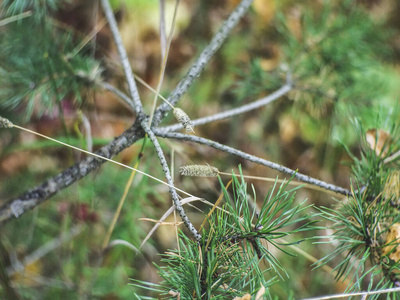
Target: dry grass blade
(119, 208)
(15, 18)
(171, 209)
(221, 196)
(164, 216)
(164, 64)
(160, 223)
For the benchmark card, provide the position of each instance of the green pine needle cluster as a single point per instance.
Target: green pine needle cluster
(365, 224)
(338, 57)
(42, 63)
(359, 229)
(376, 165)
(335, 56)
(235, 253)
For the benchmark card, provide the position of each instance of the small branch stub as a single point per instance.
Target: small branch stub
(5, 123)
(184, 119)
(199, 171)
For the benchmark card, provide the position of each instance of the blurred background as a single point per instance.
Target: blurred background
(344, 59)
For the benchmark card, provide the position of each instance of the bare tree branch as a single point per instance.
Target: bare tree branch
(235, 111)
(198, 66)
(175, 198)
(32, 198)
(139, 111)
(117, 92)
(252, 158)
(124, 58)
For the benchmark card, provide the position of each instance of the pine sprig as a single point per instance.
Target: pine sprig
(40, 70)
(359, 228)
(225, 263)
(372, 171)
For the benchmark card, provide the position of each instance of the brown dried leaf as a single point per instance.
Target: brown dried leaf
(379, 141)
(391, 190)
(175, 294)
(260, 293)
(393, 237)
(245, 297)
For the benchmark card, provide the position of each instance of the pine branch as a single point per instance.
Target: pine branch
(252, 158)
(32, 198)
(204, 58)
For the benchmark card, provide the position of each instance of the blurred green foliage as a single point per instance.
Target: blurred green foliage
(42, 64)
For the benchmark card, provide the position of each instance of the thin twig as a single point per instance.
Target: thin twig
(139, 111)
(15, 18)
(252, 158)
(386, 291)
(164, 63)
(392, 157)
(163, 36)
(123, 243)
(87, 38)
(88, 131)
(236, 111)
(164, 165)
(124, 57)
(39, 253)
(117, 92)
(119, 208)
(295, 183)
(198, 66)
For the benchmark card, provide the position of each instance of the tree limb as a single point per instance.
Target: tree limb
(175, 198)
(32, 198)
(252, 158)
(235, 111)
